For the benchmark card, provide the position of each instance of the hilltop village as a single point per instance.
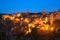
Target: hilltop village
(25, 23)
(51, 16)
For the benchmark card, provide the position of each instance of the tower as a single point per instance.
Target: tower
(44, 12)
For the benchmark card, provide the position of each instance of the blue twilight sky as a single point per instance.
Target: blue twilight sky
(13, 6)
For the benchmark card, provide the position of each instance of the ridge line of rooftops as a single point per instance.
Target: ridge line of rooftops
(31, 13)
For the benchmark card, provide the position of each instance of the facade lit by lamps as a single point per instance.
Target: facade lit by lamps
(42, 23)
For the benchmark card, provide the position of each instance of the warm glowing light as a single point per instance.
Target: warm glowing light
(31, 25)
(16, 19)
(46, 28)
(46, 19)
(21, 18)
(36, 21)
(18, 15)
(29, 31)
(7, 16)
(26, 20)
(41, 23)
(52, 28)
(42, 28)
(12, 18)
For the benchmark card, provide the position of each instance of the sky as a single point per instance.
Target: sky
(14, 6)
